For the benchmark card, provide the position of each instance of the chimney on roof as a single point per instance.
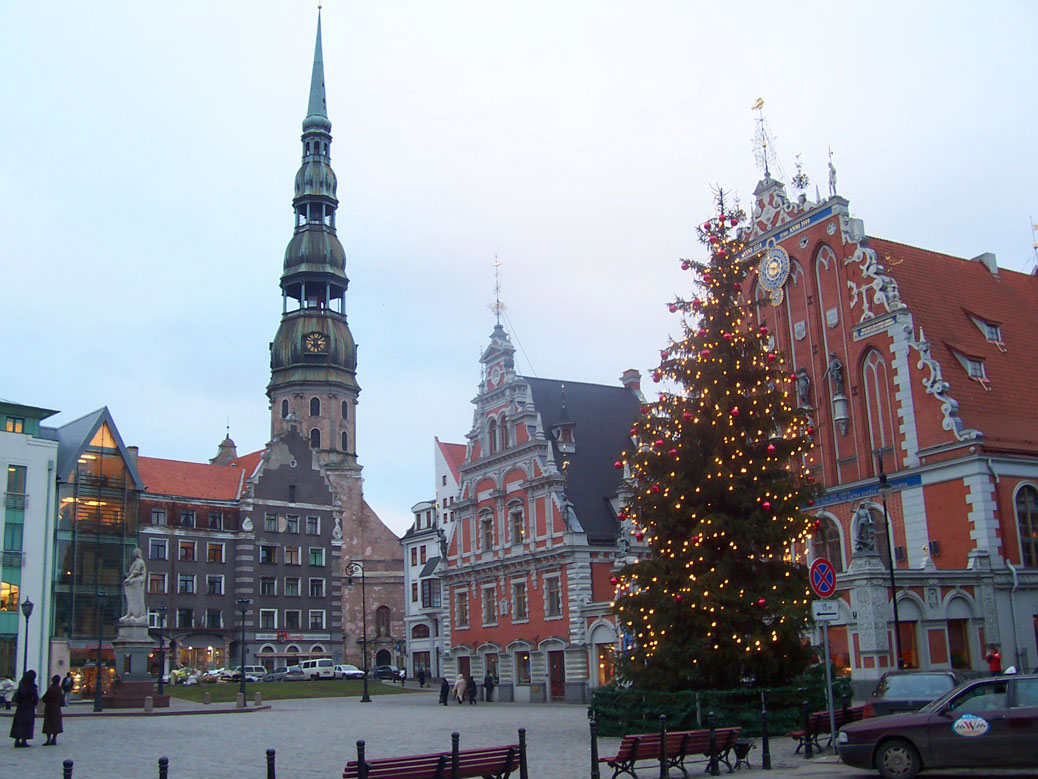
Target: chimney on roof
(988, 261)
(632, 379)
(133, 451)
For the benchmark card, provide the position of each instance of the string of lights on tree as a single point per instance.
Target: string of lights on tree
(717, 488)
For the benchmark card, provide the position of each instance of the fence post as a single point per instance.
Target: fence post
(712, 766)
(523, 772)
(594, 750)
(808, 752)
(66, 769)
(362, 766)
(270, 764)
(455, 759)
(765, 749)
(163, 767)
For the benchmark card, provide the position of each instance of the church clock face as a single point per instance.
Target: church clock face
(774, 267)
(315, 342)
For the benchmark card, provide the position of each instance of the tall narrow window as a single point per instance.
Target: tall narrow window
(345, 410)
(878, 403)
(382, 615)
(284, 408)
(315, 407)
(1027, 522)
(345, 441)
(492, 435)
(315, 438)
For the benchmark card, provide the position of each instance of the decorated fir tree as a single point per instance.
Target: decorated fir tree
(718, 489)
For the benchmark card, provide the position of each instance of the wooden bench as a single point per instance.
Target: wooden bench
(818, 725)
(484, 763)
(678, 747)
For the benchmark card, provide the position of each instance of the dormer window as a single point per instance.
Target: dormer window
(974, 367)
(992, 331)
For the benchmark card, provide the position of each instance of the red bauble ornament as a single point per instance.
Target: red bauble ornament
(707, 278)
(722, 252)
(816, 525)
(810, 502)
(686, 265)
(614, 581)
(622, 515)
(810, 431)
(660, 443)
(705, 353)
(673, 452)
(656, 376)
(737, 286)
(673, 308)
(645, 409)
(771, 448)
(761, 602)
(697, 303)
(706, 225)
(810, 478)
(734, 221)
(655, 488)
(677, 597)
(701, 332)
(766, 505)
(687, 416)
(728, 336)
(639, 535)
(764, 329)
(771, 357)
(663, 354)
(735, 411)
(618, 465)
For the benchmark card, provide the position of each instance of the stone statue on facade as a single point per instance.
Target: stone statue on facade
(133, 588)
(835, 373)
(865, 535)
(803, 388)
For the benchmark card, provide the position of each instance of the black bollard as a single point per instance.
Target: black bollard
(808, 752)
(663, 746)
(455, 759)
(523, 772)
(66, 769)
(270, 764)
(765, 750)
(846, 705)
(594, 750)
(362, 765)
(163, 767)
(712, 767)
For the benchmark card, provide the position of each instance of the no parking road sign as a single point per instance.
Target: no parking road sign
(822, 578)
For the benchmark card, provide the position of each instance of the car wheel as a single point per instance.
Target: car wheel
(898, 759)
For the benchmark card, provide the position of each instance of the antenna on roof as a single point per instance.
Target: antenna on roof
(497, 306)
(763, 138)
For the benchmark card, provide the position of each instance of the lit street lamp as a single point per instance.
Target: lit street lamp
(162, 645)
(352, 569)
(243, 606)
(885, 492)
(100, 637)
(27, 611)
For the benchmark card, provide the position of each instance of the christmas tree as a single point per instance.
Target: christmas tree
(718, 485)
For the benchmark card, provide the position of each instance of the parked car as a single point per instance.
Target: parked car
(388, 672)
(277, 675)
(348, 672)
(321, 668)
(253, 673)
(909, 691)
(985, 723)
(294, 674)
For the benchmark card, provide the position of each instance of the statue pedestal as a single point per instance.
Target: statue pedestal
(133, 648)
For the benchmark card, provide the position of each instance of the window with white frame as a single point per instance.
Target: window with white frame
(291, 586)
(292, 523)
(486, 532)
(213, 619)
(153, 619)
(214, 552)
(186, 584)
(517, 523)
(461, 609)
(268, 586)
(214, 585)
(268, 619)
(291, 555)
(317, 555)
(489, 605)
(520, 607)
(156, 583)
(270, 522)
(216, 520)
(293, 619)
(1027, 522)
(317, 588)
(268, 554)
(552, 597)
(157, 548)
(186, 551)
(185, 618)
(158, 516)
(316, 619)
(313, 526)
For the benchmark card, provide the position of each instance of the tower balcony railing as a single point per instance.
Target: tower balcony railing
(15, 500)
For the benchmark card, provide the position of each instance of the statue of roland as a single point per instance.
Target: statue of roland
(133, 587)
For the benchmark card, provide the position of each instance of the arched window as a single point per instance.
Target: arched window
(292, 650)
(503, 432)
(317, 649)
(420, 631)
(284, 408)
(876, 381)
(492, 435)
(315, 407)
(382, 621)
(315, 438)
(266, 650)
(345, 441)
(825, 542)
(345, 410)
(1027, 522)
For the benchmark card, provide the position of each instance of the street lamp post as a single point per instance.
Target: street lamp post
(27, 611)
(162, 645)
(885, 492)
(352, 569)
(243, 606)
(100, 637)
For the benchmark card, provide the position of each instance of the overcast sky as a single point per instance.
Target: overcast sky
(148, 151)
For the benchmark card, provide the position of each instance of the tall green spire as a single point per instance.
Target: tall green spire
(317, 110)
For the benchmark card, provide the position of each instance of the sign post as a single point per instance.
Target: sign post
(823, 583)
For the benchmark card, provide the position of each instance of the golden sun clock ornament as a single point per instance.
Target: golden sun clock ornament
(315, 343)
(773, 271)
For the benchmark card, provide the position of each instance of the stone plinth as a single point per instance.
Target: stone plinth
(131, 695)
(134, 683)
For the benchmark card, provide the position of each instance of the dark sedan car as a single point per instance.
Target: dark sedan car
(388, 672)
(987, 723)
(909, 691)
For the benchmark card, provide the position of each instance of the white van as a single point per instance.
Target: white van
(317, 669)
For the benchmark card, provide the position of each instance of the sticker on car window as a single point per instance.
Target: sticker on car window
(971, 725)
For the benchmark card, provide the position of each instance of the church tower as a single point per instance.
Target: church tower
(313, 358)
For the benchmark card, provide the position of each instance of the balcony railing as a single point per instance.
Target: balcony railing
(15, 500)
(11, 558)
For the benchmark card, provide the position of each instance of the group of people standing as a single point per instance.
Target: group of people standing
(465, 688)
(25, 699)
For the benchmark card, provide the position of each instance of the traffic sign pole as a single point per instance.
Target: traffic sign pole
(829, 690)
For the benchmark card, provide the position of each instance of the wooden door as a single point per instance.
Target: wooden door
(463, 666)
(557, 674)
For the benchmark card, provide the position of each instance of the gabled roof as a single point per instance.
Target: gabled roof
(454, 454)
(603, 416)
(74, 438)
(181, 479)
(248, 464)
(942, 292)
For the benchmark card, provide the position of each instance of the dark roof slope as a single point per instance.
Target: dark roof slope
(603, 417)
(942, 291)
(74, 438)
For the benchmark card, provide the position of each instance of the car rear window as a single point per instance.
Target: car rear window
(915, 686)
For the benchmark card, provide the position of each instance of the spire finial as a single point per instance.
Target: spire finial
(497, 306)
(762, 136)
(318, 105)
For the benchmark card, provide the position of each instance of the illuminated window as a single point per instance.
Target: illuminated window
(1027, 522)
(522, 667)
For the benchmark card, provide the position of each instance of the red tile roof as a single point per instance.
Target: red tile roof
(190, 480)
(454, 454)
(942, 292)
(247, 463)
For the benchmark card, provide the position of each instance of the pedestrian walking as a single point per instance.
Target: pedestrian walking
(66, 687)
(52, 711)
(994, 658)
(488, 687)
(459, 689)
(25, 699)
(471, 689)
(445, 690)
(421, 677)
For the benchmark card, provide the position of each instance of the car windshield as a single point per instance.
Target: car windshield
(915, 686)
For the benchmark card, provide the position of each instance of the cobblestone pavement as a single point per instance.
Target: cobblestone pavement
(315, 737)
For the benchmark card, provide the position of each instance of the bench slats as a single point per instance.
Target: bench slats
(488, 761)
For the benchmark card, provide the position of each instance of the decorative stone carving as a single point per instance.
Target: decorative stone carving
(884, 289)
(133, 589)
(936, 385)
(864, 531)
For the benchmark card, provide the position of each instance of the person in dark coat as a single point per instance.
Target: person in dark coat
(471, 689)
(488, 687)
(66, 688)
(421, 677)
(25, 699)
(445, 690)
(52, 702)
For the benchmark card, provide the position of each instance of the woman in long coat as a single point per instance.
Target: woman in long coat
(459, 689)
(52, 700)
(25, 698)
